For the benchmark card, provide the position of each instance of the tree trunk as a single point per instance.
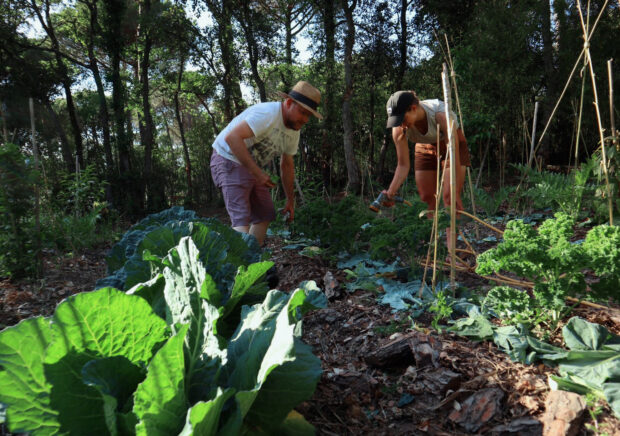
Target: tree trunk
(65, 148)
(550, 76)
(104, 117)
(353, 171)
(222, 13)
(47, 25)
(149, 128)
(382, 153)
(177, 110)
(402, 45)
(247, 23)
(329, 28)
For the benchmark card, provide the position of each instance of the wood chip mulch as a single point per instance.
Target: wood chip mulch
(446, 385)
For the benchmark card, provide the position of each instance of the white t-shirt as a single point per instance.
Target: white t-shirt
(271, 137)
(431, 107)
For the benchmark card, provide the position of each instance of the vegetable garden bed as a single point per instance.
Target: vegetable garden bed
(355, 396)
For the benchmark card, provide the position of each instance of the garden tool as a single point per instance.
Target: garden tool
(375, 206)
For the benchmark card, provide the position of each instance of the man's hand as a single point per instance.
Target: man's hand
(288, 211)
(264, 179)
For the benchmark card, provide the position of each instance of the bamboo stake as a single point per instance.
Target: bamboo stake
(452, 155)
(428, 259)
(433, 241)
(460, 112)
(583, 90)
(614, 134)
(598, 113)
(438, 190)
(467, 243)
(35, 150)
(531, 157)
(570, 76)
(484, 158)
(481, 221)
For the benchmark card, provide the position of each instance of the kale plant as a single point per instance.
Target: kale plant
(513, 306)
(545, 256)
(602, 248)
(555, 264)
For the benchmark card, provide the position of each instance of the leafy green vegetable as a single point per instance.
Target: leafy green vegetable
(513, 306)
(546, 256)
(590, 365)
(602, 248)
(107, 364)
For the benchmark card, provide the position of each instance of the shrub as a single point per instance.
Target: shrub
(18, 178)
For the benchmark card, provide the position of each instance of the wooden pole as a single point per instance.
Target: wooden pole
(35, 150)
(5, 132)
(531, 157)
(460, 112)
(614, 133)
(586, 47)
(453, 193)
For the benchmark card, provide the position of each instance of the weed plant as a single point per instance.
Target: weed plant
(78, 216)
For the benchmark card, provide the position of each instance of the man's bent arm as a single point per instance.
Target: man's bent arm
(235, 140)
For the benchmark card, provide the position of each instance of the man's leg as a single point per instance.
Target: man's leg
(236, 184)
(263, 212)
(259, 231)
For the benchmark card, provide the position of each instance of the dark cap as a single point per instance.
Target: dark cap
(397, 105)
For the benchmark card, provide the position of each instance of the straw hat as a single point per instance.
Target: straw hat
(306, 95)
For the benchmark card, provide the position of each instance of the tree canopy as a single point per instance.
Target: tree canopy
(140, 89)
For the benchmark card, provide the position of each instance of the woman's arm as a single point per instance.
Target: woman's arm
(399, 135)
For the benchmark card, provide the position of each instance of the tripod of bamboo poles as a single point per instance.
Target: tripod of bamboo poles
(460, 114)
(585, 53)
(451, 129)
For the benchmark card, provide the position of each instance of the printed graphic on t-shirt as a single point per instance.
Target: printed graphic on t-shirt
(265, 150)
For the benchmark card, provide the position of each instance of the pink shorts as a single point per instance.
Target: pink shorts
(246, 201)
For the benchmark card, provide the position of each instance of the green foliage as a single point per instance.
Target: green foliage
(106, 363)
(79, 193)
(441, 308)
(17, 230)
(602, 248)
(491, 203)
(600, 202)
(76, 232)
(555, 264)
(404, 233)
(513, 306)
(566, 193)
(336, 225)
(350, 226)
(545, 256)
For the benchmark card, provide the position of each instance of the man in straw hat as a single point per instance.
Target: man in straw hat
(247, 144)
